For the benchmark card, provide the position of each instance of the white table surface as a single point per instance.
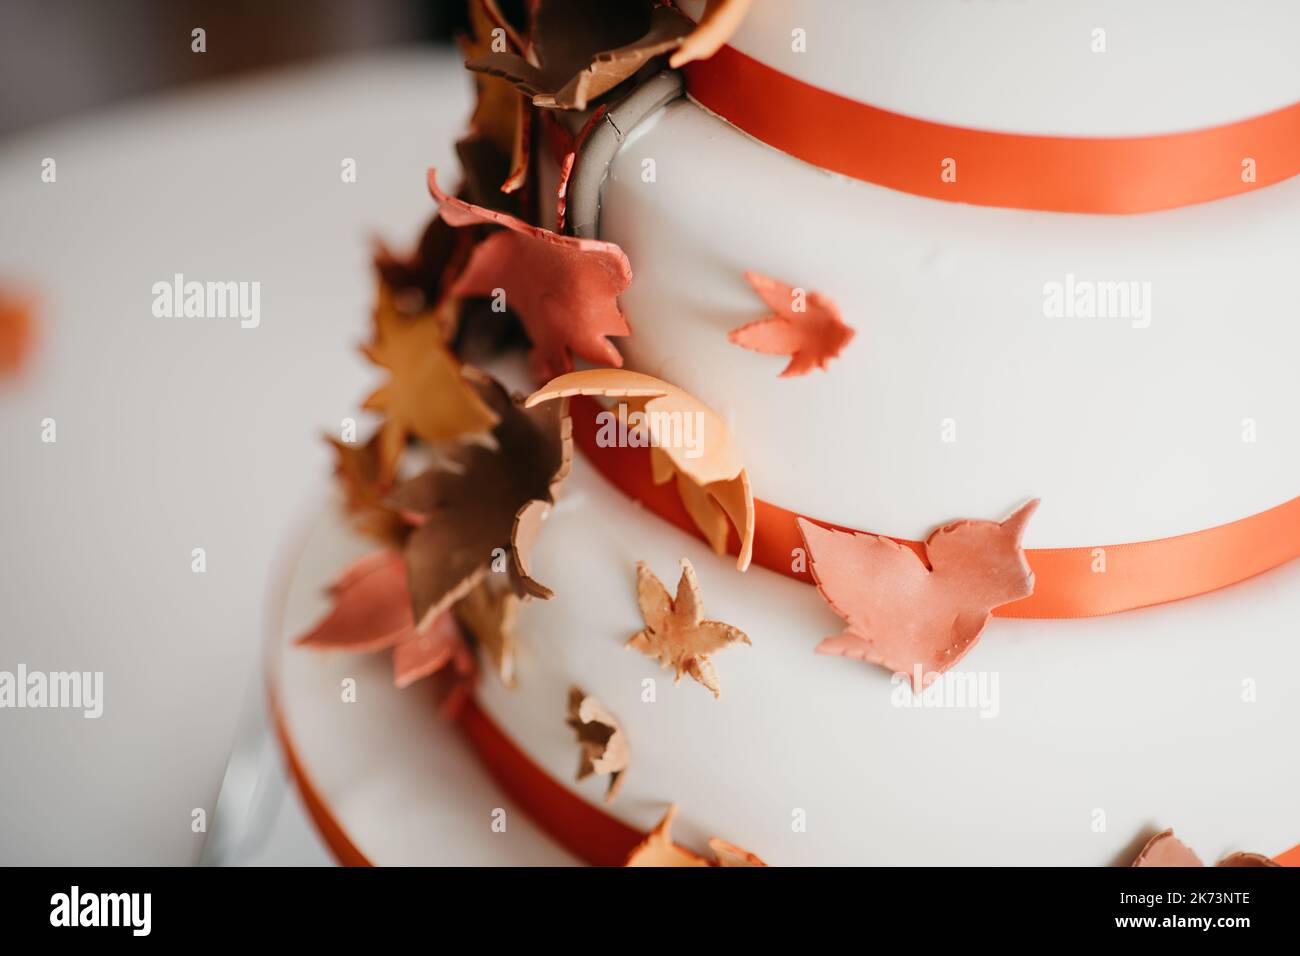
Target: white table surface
(182, 433)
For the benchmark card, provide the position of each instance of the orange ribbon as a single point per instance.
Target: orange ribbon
(1068, 582)
(1113, 175)
(586, 831)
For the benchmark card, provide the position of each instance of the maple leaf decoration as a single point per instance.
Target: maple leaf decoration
(488, 613)
(1164, 849)
(481, 502)
(358, 470)
(425, 394)
(496, 152)
(710, 474)
(581, 49)
(372, 612)
(658, 849)
(720, 20)
(600, 739)
(804, 325)
(676, 634)
(564, 289)
(903, 612)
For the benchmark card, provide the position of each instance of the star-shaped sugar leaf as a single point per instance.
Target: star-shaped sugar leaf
(676, 633)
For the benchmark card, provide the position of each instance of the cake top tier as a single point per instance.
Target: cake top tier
(1047, 67)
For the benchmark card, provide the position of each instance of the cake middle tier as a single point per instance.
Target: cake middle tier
(1137, 373)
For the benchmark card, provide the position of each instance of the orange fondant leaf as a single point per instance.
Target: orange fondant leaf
(372, 612)
(904, 615)
(564, 289)
(728, 854)
(15, 332)
(1165, 849)
(488, 613)
(658, 849)
(676, 634)
(425, 394)
(720, 20)
(803, 325)
(687, 438)
(601, 740)
(468, 507)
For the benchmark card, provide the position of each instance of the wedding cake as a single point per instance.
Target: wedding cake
(905, 466)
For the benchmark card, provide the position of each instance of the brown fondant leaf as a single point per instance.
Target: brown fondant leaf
(467, 507)
(582, 49)
(488, 613)
(805, 327)
(720, 20)
(601, 740)
(658, 849)
(1165, 849)
(425, 394)
(356, 466)
(710, 460)
(502, 118)
(676, 634)
(913, 616)
(418, 279)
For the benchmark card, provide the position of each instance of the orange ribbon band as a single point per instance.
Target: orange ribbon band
(586, 831)
(1068, 582)
(1112, 175)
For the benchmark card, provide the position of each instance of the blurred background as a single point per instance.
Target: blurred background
(175, 434)
(61, 56)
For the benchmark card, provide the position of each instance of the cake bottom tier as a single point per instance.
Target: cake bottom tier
(1084, 737)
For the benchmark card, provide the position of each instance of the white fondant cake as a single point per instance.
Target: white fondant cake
(1039, 66)
(975, 380)
(959, 396)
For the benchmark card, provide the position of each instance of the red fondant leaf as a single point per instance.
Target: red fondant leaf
(565, 290)
(902, 614)
(372, 612)
(804, 325)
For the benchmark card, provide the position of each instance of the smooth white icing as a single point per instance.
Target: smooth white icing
(391, 770)
(1143, 716)
(1140, 715)
(1028, 66)
(1126, 433)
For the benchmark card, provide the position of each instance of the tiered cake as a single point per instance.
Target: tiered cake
(1020, 252)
